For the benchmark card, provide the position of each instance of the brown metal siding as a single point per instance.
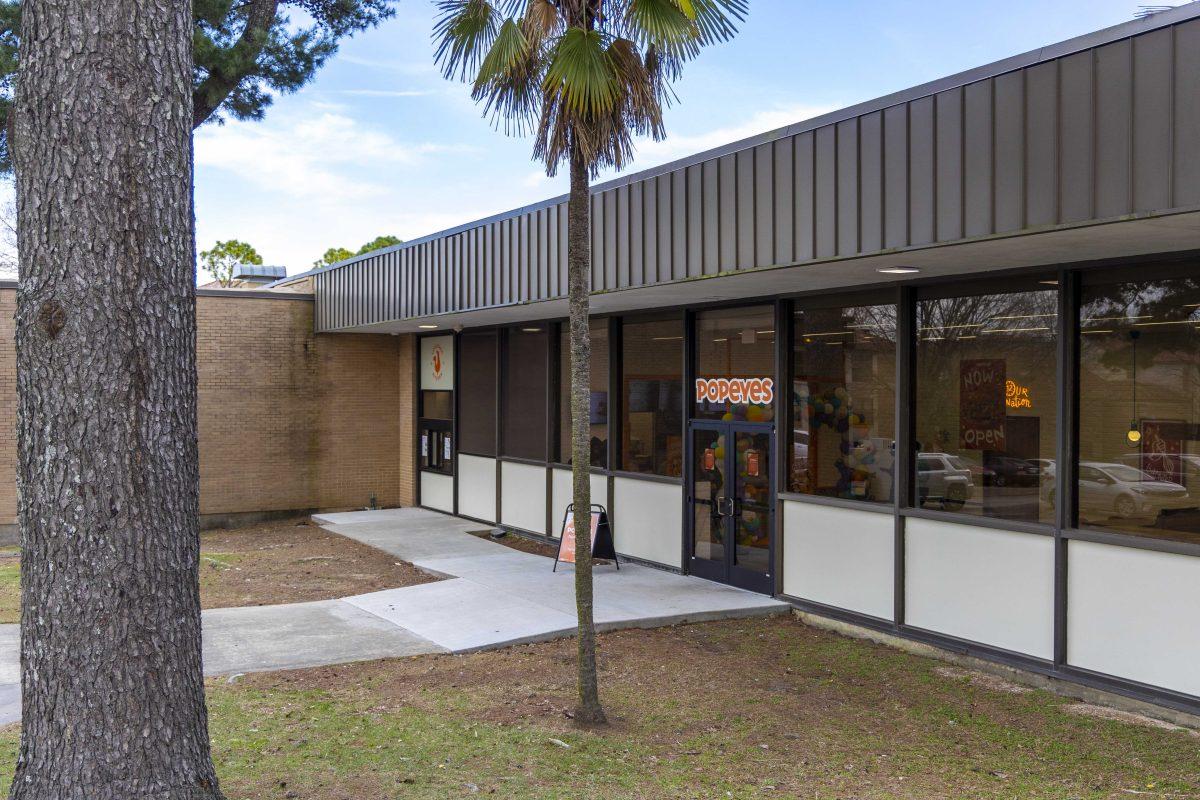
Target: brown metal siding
(1095, 134)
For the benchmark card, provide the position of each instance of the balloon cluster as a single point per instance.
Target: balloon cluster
(834, 409)
(748, 412)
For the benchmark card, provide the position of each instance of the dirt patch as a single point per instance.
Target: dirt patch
(293, 561)
(983, 680)
(518, 542)
(1127, 717)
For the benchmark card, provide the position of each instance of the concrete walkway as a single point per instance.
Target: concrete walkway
(493, 596)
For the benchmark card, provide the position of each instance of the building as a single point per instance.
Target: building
(250, 276)
(929, 364)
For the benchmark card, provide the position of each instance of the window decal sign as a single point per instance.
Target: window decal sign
(437, 363)
(981, 404)
(749, 391)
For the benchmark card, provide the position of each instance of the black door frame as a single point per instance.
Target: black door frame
(727, 571)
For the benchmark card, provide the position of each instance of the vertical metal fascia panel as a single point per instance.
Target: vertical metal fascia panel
(764, 205)
(710, 234)
(825, 191)
(553, 288)
(679, 199)
(695, 220)
(543, 253)
(622, 247)
(804, 187)
(1153, 89)
(870, 182)
(637, 235)
(611, 222)
(785, 201)
(563, 215)
(650, 226)
(895, 176)
(1186, 112)
(922, 169)
(664, 229)
(1041, 144)
(1114, 129)
(1076, 141)
(596, 203)
(745, 209)
(1008, 119)
(977, 152)
(948, 107)
(847, 187)
(727, 210)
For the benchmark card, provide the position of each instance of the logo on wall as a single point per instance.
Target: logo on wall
(435, 360)
(753, 391)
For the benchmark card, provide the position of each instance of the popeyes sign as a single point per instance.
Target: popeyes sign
(751, 391)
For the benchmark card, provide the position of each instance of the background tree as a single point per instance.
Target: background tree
(585, 77)
(245, 52)
(112, 693)
(225, 257)
(378, 243)
(332, 256)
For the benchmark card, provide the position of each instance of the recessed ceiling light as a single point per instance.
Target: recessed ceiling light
(899, 270)
(532, 330)
(427, 327)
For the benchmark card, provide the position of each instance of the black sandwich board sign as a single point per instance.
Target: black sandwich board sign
(602, 538)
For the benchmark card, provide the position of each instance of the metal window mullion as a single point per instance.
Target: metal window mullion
(1066, 448)
(904, 462)
(689, 380)
(783, 430)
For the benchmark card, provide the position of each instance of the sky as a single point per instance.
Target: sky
(380, 143)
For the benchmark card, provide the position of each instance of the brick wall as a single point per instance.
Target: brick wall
(287, 419)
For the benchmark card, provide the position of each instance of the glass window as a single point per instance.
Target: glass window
(735, 343)
(437, 405)
(598, 404)
(986, 403)
(844, 402)
(652, 396)
(1139, 408)
(477, 385)
(525, 419)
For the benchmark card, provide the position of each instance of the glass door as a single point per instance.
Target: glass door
(732, 503)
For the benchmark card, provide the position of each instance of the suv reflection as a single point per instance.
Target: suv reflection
(943, 478)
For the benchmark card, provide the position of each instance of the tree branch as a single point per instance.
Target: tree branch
(212, 91)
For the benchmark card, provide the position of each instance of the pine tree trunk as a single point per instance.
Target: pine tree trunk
(579, 278)
(112, 690)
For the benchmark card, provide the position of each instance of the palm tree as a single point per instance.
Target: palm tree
(585, 77)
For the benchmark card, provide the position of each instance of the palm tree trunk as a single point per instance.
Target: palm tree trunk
(112, 694)
(579, 278)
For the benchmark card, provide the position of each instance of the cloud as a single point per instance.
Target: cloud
(401, 67)
(308, 156)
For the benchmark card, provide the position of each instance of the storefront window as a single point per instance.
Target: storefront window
(986, 403)
(477, 409)
(652, 396)
(844, 402)
(598, 403)
(1139, 406)
(736, 343)
(525, 419)
(436, 414)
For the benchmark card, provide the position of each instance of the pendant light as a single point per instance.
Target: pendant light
(1135, 435)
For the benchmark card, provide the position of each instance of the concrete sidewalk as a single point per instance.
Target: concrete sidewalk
(500, 596)
(493, 596)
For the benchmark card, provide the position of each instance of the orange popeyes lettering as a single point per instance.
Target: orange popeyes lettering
(756, 391)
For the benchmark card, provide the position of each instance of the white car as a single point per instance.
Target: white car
(1126, 491)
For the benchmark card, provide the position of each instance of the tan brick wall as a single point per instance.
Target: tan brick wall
(287, 419)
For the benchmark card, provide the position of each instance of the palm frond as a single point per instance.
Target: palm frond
(664, 24)
(717, 19)
(510, 78)
(464, 32)
(580, 74)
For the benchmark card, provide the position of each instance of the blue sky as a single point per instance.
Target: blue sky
(381, 143)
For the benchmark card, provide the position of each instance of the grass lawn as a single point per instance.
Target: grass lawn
(763, 708)
(288, 561)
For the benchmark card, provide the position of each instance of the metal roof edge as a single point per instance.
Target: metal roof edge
(1087, 41)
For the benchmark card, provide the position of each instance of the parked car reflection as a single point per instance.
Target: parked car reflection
(944, 478)
(1111, 489)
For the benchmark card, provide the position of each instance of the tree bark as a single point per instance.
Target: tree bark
(579, 278)
(112, 689)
